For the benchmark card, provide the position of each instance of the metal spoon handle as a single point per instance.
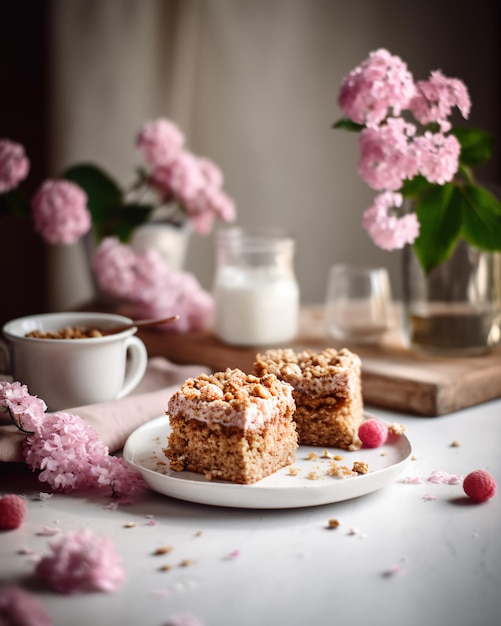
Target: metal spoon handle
(139, 324)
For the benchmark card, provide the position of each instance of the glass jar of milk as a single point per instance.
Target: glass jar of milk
(255, 289)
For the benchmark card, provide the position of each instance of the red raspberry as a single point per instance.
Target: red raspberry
(373, 433)
(12, 512)
(479, 486)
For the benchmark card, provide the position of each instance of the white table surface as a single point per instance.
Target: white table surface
(291, 569)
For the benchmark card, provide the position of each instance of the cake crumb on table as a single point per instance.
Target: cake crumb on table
(396, 429)
(360, 467)
(163, 550)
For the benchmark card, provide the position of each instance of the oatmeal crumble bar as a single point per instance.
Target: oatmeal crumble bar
(232, 426)
(327, 391)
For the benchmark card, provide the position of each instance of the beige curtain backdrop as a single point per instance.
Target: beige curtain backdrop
(253, 85)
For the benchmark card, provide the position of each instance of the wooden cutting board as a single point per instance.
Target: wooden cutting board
(393, 377)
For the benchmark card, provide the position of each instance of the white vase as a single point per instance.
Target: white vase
(169, 240)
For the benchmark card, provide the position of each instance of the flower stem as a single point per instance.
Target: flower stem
(467, 172)
(19, 425)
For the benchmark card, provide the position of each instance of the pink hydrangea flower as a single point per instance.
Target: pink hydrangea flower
(14, 165)
(390, 232)
(380, 85)
(18, 607)
(65, 449)
(26, 410)
(386, 156)
(435, 98)
(70, 457)
(81, 561)
(211, 172)
(60, 212)
(182, 179)
(114, 267)
(444, 478)
(160, 141)
(438, 156)
(210, 204)
(154, 288)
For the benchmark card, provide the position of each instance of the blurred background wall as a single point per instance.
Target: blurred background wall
(253, 85)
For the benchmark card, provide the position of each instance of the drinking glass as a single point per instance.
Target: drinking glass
(358, 304)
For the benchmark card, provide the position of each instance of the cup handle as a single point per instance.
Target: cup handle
(136, 366)
(6, 363)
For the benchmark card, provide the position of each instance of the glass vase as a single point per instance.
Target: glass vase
(455, 309)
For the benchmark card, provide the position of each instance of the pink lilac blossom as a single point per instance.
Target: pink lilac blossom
(160, 141)
(81, 561)
(436, 97)
(394, 570)
(211, 172)
(48, 531)
(60, 212)
(390, 232)
(444, 478)
(378, 86)
(14, 165)
(196, 185)
(438, 156)
(182, 179)
(387, 157)
(192, 183)
(115, 267)
(209, 204)
(66, 450)
(413, 480)
(155, 289)
(18, 607)
(235, 554)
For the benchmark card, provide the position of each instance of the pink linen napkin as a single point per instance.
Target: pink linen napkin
(116, 420)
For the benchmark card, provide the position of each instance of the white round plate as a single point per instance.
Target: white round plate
(310, 486)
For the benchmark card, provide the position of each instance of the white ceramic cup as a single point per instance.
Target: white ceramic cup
(358, 304)
(69, 373)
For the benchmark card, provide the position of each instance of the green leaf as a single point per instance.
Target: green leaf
(439, 215)
(122, 220)
(416, 186)
(476, 145)
(481, 217)
(102, 191)
(346, 124)
(111, 216)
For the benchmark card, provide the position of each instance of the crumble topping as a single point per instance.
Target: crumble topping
(233, 398)
(326, 372)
